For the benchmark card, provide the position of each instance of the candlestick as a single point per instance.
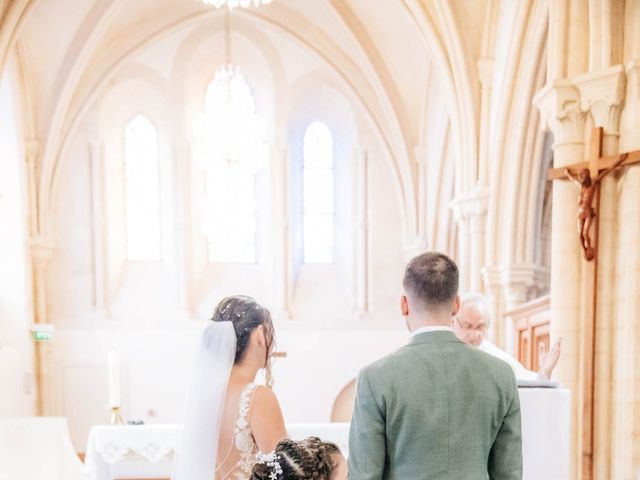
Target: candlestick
(115, 418)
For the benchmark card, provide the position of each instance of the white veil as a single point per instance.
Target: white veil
(196, 459)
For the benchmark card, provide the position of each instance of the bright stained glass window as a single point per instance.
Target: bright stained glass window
(230, 213)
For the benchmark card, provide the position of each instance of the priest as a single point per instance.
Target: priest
(471, 325)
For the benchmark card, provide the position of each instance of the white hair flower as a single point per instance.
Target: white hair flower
(270, 460)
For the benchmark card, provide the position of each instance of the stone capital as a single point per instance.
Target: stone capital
(472, 204)
(491, 276)
(633, 76)
(602, 93)
(521, 282)
(561, 111)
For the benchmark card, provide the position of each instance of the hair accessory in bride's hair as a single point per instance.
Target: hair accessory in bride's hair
(270, 460)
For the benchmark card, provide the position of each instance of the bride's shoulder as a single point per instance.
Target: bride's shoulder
(263, 394)
(266, 422)
(265, 400)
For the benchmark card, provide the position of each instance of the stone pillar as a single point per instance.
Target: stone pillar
(485, 75)
(602, 94)
(41, 254)
(182, 207)
(32, 148)
(625, 428)
(421, 155)
(471, 214)
(361, 232)
(559, 103)
(416, 241)
(281, 245)
(493, 291)
(96, 159)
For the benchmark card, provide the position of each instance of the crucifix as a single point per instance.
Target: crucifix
(588, 176)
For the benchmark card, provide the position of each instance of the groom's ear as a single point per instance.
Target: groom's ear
(404, 305)
(456, 306)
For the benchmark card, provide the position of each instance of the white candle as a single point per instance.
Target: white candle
(114, 380)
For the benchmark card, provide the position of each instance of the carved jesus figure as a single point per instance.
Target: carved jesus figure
(586, 211)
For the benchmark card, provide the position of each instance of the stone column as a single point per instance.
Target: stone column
(182, 207)
(471, 214)
(602, 94)
(32, 148)
(493, 291)
(625, 428)
(281, 245)
(416, 242)
(626, 381)
(559, 103)
(96, 159)
(625, 448)
(421, 155)
(361, 232)
(485, 75)
(41, 255)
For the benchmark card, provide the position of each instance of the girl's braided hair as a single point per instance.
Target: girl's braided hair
(309, 459)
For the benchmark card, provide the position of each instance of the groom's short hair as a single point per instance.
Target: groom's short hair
(431, 279)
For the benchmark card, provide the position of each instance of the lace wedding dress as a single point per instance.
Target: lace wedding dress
(237, 448)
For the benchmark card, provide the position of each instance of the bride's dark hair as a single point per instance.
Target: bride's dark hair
(309, 459)
(246, 315)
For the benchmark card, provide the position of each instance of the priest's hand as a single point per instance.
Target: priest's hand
(548, 360)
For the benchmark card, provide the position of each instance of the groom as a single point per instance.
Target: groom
(437, 408)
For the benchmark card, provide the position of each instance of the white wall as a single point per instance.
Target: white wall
(16, 348)
(326, 338)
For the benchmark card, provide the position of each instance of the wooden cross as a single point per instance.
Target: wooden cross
(588, 175)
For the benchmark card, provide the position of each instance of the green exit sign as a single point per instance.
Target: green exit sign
(42, 332)
(42, 336)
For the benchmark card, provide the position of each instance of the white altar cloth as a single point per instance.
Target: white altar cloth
(146, 451)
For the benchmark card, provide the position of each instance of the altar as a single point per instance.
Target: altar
(147, 451)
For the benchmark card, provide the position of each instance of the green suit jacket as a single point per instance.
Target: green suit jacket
(436, 409)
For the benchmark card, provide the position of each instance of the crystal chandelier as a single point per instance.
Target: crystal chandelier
(236, 3)
(229, 133)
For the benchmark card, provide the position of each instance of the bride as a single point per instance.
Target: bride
(229, 418)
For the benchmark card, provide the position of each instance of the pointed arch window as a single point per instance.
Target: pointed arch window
(318, 194)
(233, 150)
(142, 190)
